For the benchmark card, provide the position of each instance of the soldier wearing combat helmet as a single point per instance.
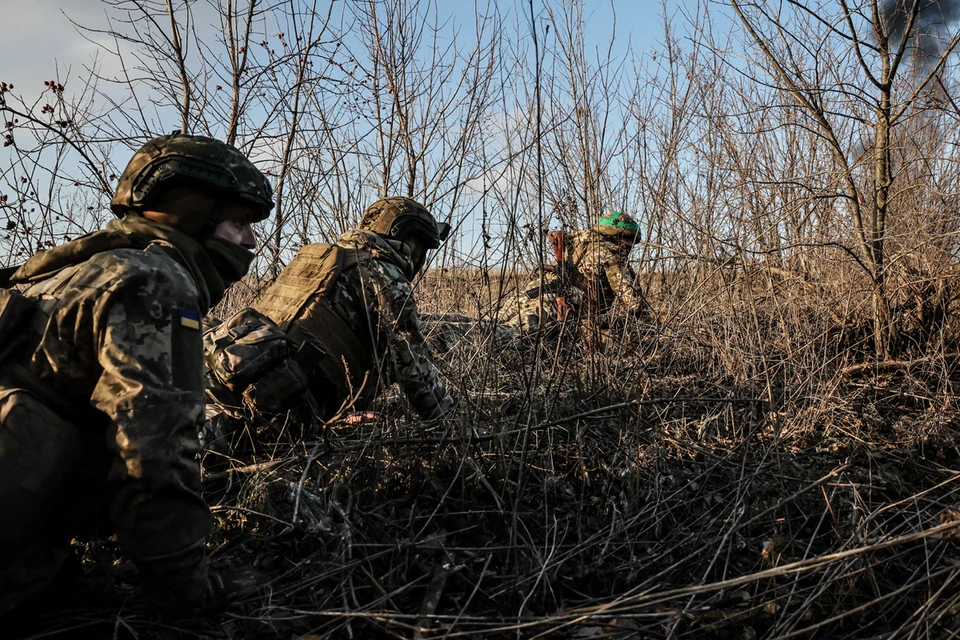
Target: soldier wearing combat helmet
(600, 259)
(101, 376)
(591, 273)
(351, 304)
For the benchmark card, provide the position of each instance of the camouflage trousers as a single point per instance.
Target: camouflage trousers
(54, 487)
(546, 313)
(446, 331)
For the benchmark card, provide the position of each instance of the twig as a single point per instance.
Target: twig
(892, 365)
(432, 597)
(250, 468)
(545, 425)
(643, 403)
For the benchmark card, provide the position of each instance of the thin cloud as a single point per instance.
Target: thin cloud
(45, 44)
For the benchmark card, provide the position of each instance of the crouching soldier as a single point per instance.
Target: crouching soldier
(591, 273)
(344, 323)
(599, 259)
(101, 377)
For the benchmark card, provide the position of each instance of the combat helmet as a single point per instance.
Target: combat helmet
(179, 159)
(619, 226)
(398, 217)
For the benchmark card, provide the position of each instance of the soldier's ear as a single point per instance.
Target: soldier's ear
(184, 208)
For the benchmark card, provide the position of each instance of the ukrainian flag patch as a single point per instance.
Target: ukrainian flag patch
(190, 319)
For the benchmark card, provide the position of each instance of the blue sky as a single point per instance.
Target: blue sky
(45, 45)
(43, 39)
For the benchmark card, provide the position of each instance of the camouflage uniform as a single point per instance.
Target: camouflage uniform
(102, 386)
(257, 381)
(593, 275)
(116, 339)
(543, 307)
(602, 271)
(366, 321)
(448, 331)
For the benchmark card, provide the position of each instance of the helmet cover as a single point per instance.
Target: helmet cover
(179, 159)
(399, 217)
(619, 225)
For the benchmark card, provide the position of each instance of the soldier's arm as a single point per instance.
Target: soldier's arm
(152, 391)
(623, 281)
(548, 280)
(412, 365)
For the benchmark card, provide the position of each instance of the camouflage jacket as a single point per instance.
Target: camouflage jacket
(376, 296)
(602, 271)
(594, 273)
(118, 337)
(372, 299)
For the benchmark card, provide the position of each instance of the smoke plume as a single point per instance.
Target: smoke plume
(930, 33)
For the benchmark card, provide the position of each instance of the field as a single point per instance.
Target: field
(769, 451)
(735, 471)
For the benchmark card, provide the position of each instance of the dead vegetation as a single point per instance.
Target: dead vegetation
(687, 480)
(770, 453)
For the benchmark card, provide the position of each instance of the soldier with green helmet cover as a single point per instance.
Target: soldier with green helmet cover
(591, 273)
(600, 260)
(618, 225)
(350, 305)
(101, 378)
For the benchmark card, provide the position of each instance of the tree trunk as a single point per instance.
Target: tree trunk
(884, 330)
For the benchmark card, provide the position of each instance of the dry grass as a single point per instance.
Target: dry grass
(733, 467)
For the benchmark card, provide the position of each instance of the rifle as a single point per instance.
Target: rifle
(558, 241)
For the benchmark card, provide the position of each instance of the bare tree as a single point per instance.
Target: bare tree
(847, 66)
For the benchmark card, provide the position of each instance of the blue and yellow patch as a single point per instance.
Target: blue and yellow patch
(189, 319)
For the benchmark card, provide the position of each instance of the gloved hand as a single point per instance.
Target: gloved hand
(231, 584)
(360, 417)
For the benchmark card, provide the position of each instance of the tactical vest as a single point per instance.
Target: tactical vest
(299, 302)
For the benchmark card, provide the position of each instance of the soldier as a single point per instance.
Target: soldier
(601, 268)
(348, 312)
(101, 377)
(591, 273)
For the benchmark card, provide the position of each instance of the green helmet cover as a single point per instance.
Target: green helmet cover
(619, 224)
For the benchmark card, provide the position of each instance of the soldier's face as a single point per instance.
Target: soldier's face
(236, 224)
(418, 252)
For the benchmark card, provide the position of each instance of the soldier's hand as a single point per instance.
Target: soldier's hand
(360, 417)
